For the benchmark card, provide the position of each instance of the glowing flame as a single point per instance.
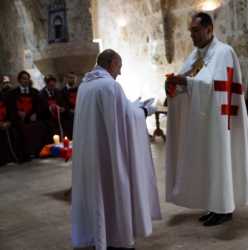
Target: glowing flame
(210, 5)
(122, 22)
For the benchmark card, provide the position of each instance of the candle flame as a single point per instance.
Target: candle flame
(210, 5)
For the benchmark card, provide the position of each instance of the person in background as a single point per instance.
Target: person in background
(69, 95)
(52, 110)
(5, 84)
(10, 149)
(25, 114)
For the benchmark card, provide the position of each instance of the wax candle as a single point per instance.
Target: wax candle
(56, 139)
(66, 142)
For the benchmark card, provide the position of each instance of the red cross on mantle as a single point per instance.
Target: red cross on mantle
(230, 87)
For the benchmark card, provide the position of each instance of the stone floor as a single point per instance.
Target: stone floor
(35, 216)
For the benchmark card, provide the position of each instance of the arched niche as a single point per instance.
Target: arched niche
(57, 22)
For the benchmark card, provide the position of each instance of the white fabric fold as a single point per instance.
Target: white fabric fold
(207, 164)
(114, 192)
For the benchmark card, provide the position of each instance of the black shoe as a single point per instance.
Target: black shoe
(217, 219)
(205, 216)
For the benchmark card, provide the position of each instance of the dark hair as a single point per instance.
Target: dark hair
(206, 19)
(23, 72)
(105, 58)
(48, 78)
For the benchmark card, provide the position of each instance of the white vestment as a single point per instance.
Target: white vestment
(206, 163)
(114, 192)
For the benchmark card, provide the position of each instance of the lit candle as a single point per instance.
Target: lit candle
(56, 139)
(66, 142)
(210, 5)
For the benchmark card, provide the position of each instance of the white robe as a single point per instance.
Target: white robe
(114, 192)
(207, 164)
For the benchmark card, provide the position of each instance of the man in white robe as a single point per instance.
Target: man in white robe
(114, 192)
(207, 140)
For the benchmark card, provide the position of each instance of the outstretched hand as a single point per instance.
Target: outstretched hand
(177, 80)
(172, 81)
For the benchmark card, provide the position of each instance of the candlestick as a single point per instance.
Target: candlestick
(66, 142)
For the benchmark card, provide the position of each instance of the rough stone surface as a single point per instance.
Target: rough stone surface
(155, 33)
(35, 216)
(24, 39)
(151, 35)
(11, 32)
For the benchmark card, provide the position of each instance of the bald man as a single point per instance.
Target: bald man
(114, 192)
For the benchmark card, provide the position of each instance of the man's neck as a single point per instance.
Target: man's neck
(207, 43)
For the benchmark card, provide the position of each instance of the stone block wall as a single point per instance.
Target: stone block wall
(134, 29)
(153, 39)
(151, 35)
(24, 37)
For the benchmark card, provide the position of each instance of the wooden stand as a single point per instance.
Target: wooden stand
(158, 131)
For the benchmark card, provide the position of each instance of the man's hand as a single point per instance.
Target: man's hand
(176, 80)
(4, 125)
(22, 114)
(170, 89)
(33, 117)
(172, 81)
(150, 110)
(61, 109)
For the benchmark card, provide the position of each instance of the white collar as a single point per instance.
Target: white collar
(24, 90)
(207, 51)
(22, 87)
(50, 93)
(96, 73)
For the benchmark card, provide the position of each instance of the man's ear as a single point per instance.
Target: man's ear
(210, 29)
(111, 65)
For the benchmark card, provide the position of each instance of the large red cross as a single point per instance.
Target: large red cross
(230, 87)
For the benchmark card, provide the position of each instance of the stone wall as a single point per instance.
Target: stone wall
(151, 36)
(79, 52)
(232, 27)
(134, 28)
(153, 39)
(11, 39)
(24, 39)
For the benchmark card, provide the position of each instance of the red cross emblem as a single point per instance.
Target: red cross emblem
(230, 87)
